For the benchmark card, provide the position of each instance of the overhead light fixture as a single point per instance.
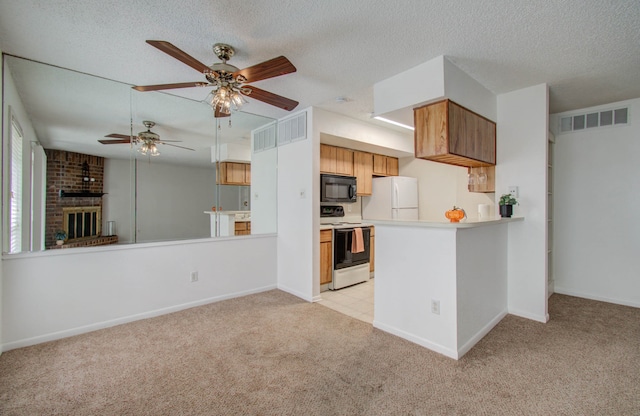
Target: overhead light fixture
(228, 96)
(148, 147)
(395, 123)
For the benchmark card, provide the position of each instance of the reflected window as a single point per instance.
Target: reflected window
(15, 220)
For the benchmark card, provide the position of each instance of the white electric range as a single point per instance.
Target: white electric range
(349, 266)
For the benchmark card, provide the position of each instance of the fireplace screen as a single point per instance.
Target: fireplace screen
(82, 222)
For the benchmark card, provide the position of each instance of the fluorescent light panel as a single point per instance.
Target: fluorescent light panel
(395, 123)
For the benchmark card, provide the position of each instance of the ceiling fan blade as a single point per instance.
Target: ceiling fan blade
(116, 141)
(271, 98)
(175, 145)
(180, 55)
(119, 136)
(268, 69)
(170, 86)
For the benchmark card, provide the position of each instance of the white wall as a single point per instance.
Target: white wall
(298, 207)
(522, 127)
(481, 267)
(118, 203)
(61, 293)
(405, 285)
(597, 201)
(264, 192)
(171, 201)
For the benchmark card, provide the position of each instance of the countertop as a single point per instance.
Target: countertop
(348, 225)
(468, 223)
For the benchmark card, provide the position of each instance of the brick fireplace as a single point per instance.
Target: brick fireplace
(74, 199)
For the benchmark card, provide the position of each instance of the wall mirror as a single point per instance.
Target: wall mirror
(69, 164)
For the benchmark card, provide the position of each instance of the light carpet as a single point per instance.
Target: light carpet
(274, 354)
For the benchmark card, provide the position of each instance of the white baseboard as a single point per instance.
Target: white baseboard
(294, 292)
(534, 317)
(570, 292)
(480, 334)
(441, 349)
(126, 319)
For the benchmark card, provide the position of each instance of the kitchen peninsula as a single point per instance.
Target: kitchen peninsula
(441, 285)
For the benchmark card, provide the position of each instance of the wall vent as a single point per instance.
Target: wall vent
(264, 138)
(604, 118)
(292, 129)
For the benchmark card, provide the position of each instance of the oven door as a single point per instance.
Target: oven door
(342, 255)
(335, 188)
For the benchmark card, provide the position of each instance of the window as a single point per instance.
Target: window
(15, 214)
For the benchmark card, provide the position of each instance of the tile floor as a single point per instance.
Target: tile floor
(355, 301)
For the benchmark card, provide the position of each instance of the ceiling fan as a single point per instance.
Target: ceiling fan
(148, 140)
(229, 83)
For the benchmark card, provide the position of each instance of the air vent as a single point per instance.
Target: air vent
(264, 138)
(292, 129)
(605, 118)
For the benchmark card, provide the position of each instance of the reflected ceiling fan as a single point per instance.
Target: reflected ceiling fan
(148, 140)
(229, 83)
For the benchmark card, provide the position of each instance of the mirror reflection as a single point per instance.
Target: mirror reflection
(96, 162)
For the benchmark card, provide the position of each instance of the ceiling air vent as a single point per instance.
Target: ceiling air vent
(605, 118)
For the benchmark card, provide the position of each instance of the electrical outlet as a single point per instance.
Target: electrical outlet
(513, 190)
(435, 307)
(194, 277)
(303, 193)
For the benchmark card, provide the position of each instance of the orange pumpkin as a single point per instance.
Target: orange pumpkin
(455, 214)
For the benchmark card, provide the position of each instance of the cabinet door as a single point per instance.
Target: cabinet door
(363, 171)
(471, 135)
(379, 165)
(482, 179)
(326, 266)
(327, 159)
(431, 130)
(235, 173)
(344, 161)
(392, 166)
(247, 174)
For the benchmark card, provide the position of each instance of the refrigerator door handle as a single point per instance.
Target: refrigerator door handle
(396, 196)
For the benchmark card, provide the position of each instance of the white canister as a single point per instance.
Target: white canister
(484, 211)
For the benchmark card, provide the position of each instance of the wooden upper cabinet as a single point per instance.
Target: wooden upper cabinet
(449, 133)
(327, 158)
(363, 171)
(336, 160)
(385, 165)
(232, 173)
(379, 165)
(392, 166)
(344, 161)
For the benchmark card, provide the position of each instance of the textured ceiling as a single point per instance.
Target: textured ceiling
(587, 51)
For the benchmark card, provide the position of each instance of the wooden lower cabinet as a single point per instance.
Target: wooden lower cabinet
(326, 256)
(243, 228)
(372, 249)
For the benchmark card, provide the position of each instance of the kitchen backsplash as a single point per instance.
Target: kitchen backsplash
(351, 210)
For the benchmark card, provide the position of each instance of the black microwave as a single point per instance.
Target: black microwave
(334, 188)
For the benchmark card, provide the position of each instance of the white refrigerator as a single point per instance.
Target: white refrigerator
(392, 198)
